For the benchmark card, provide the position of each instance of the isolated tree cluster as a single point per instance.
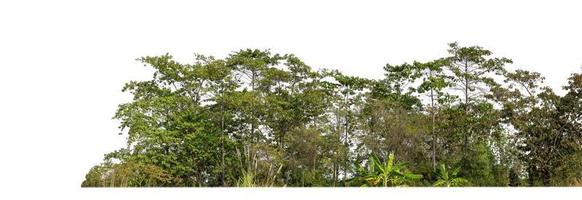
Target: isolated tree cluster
(256, 118)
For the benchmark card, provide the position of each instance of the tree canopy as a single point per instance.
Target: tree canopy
(257, 118)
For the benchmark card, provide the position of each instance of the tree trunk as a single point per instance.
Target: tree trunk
(432, 125)
(466, 135)
(222, 176)
(433, 132)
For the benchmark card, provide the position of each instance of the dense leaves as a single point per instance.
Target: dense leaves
(256, 119)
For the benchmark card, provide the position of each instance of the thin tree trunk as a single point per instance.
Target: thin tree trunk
(432, 126)
(346, 142)
(466, 135)
(222, 145)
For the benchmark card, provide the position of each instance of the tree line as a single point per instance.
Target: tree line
(256, 118)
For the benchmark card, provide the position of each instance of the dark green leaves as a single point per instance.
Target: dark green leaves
(256, 118)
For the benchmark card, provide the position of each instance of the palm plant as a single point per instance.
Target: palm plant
(447, 180)
(387, 173)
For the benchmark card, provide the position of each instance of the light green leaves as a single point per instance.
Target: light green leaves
(256, 118)
(447, 178)
(387, 173)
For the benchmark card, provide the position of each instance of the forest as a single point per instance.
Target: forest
(261, 119)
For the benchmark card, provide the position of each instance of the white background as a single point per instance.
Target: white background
(63, 63)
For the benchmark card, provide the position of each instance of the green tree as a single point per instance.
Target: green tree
(474, 75)
(260, 119)
(434, 82)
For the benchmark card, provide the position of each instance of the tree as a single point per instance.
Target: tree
(542, 123)
(473, 74)
(346, 98)
(219, 84)
(434, 81)
(567, 144)
(261, 119)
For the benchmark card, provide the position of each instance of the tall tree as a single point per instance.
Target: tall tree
(219, 85)
(348, 96)
(256, 118)
(434, 81)
(473, 74)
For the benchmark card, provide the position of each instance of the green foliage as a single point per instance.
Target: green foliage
(386, 173)
(446, 179)
(259, 119)
(246, 180)
(128, 174)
